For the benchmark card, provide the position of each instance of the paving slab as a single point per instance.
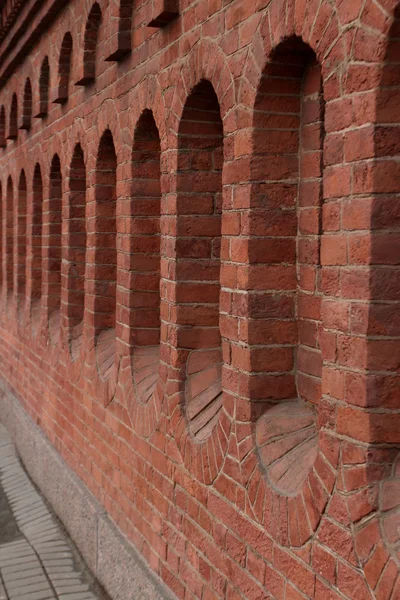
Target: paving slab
(38, 560)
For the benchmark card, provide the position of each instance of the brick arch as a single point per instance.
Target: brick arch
(53, 176)
(2, 203)
(105, 254)
(9, 239)
(13, 119)
(144, 274)
(35, 247)
(21, 242)
(206, 61)
(64, 69)
(52, 248)
(76, 244)
(76, 339)
(42, 107)
(147, 99)
(89, 57)
(26, 112)
(78, 30)
(205, 91)
(3, 142)
(148, 95)
(287, 18)
(22, 251)
(288, 469)
(106, 119)
(119, 30)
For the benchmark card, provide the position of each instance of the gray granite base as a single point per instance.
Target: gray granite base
(112, 559)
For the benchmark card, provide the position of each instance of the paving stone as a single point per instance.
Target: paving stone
(22, 575)
(36, 555)
(35, 584)
(22, 562)
(43, 537)
(54, 570)
(78, 596)
(2, 592)
(61, 582)
(69, 589)
(22, 552)
(9, 571)
(44, 595)
(54, 545)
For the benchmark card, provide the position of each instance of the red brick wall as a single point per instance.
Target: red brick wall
(200, 237)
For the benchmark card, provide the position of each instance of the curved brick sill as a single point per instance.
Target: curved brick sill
(287, 445)
(390, 515)
(36, 309)
(105, 352)
(75, 341)
(203, 392)
(145, 363)
(54, 326)
(21, 307)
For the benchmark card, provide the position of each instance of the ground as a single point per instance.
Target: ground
(37, 558)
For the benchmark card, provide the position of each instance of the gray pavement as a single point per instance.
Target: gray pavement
(38, 560)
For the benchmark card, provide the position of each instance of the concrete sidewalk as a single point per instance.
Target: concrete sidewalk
(38, 561)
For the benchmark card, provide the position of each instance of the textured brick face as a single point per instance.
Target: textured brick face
(200, 236)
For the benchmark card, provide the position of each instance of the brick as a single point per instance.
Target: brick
(194, 235)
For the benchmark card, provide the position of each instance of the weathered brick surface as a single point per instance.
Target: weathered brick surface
(201, 283)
